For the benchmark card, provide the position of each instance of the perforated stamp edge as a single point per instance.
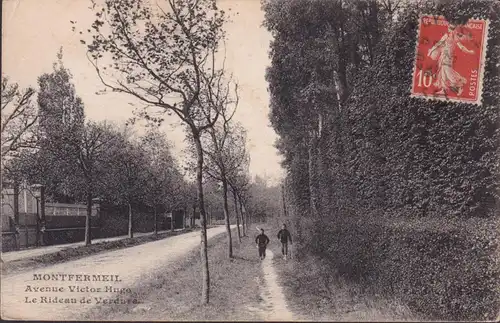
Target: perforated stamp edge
(482, 63)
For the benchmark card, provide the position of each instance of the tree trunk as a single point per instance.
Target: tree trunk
(244, 211)
(130, 229)
(298, 230)
(210, 219)
(172, 222)
(192, 219)
(37, 241)
(156, 221)
(42, 214)
(313, 192)
(226, 217)
(237, 215)
(184, 218)
(88, 232)
(205, 290)
(314, 195)
(243, 219)
(16, 214)
(285, 214)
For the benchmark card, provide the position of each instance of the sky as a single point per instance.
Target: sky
(34, 30)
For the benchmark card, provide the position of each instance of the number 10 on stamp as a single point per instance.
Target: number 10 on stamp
(449, 60)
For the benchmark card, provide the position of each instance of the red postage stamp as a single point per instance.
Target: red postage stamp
(449, 62)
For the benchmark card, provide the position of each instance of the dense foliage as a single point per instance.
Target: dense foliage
(78, 160)
(363, 156)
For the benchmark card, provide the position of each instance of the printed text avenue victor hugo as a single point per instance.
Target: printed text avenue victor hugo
(83, 294)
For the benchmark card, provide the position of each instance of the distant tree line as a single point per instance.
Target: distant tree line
(397, 192)
(78, 160)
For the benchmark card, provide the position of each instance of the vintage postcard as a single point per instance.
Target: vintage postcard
(250, 160)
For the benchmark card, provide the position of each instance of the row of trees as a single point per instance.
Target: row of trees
(78, 160)
(166, 55)
(359, 150)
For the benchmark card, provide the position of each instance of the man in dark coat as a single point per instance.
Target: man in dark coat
(262, 240)
(284, 236)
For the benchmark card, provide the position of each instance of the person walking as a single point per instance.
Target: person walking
(284, 236)
(262, 240)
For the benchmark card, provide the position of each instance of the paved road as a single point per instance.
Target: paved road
(34, 252)
(22, 297)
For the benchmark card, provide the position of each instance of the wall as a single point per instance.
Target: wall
(65, 223)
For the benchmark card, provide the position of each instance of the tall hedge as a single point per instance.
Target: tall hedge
(429, 157)
(408, 187)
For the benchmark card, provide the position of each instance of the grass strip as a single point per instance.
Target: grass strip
(316, 292)
(72, 253)
(173, 293)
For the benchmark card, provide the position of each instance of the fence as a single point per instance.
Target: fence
(57, 223)
(60, 223)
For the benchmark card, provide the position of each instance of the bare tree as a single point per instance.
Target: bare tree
(166, 186)
(237, 160)
(130, 173)
(239, 184)
(164, 56)
(91, 155)
(218, 145)
(19, 116)
(243, 196)
(86, 159)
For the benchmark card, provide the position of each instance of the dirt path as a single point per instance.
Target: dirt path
(273, 294)
(118, 270)
(34, 252)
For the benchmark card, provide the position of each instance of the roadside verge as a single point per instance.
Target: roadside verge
(173, 293)
(314, 292)
(72, 253)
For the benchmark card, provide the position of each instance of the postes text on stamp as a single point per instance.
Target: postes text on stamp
(449, 60)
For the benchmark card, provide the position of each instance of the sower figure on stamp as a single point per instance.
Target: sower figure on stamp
(446, 76)
(262, 240)
(284, 236)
